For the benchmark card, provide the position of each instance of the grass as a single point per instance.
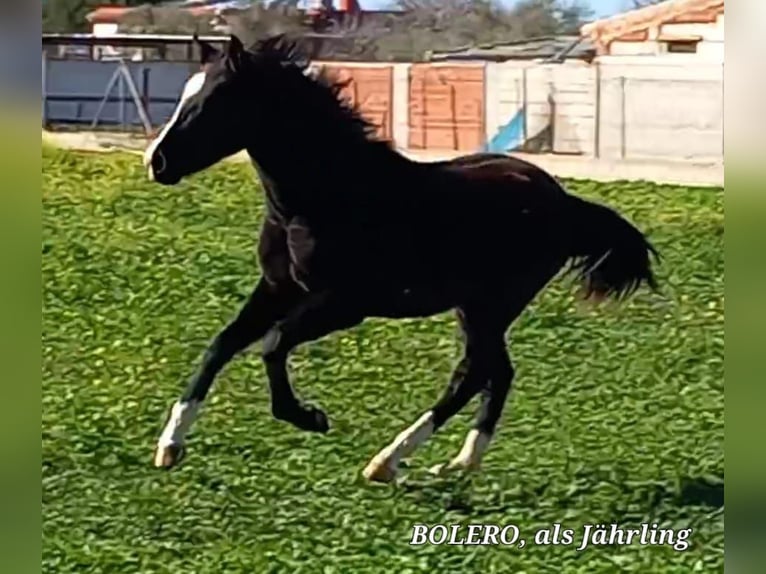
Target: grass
(616, 414)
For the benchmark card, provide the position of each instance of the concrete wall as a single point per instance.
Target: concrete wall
(661, 109)
(620, 107)
(565, 90)
(643, 107)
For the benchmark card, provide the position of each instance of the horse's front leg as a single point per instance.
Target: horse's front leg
(317, 316)
(265, 306)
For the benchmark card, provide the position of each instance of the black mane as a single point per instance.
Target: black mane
(322, 88)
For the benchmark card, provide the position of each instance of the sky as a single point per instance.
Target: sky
(603, 8)
(600, 8)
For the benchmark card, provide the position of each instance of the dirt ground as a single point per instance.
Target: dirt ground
(579, 167)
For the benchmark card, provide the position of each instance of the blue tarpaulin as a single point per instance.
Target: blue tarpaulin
(510, 136)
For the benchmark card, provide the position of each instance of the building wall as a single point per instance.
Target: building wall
(661, 108)
(105, 29)
(621, 106)
(633, 107)
(710, 47)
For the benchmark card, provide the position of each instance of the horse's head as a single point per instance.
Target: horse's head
(259, 99)
(220, 106)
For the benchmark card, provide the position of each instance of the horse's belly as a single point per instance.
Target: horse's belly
(410, 302)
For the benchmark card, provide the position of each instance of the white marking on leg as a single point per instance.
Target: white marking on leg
(182, 415)
(469, 457)
(191, 88)
(384, 465)
(475, 445)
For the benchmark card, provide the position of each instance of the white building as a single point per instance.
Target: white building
(690, 29)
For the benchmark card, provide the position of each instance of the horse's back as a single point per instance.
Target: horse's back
(483, 211)
(447, 223)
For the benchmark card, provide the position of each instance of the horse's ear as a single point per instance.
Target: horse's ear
(207, 53)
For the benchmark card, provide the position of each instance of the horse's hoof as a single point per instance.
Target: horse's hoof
(438, 469)
(319, 422)
(309, 419)
(168, 456)
(452, 467)
(378, 470)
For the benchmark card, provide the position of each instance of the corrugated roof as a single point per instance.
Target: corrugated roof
(550, 47)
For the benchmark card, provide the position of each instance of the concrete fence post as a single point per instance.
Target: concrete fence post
(623, 119)
(121, 96)
(400, 122)
(146, 98)
(524, 98)
(597, 115)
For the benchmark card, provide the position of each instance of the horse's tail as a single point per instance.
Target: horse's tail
(609, 255)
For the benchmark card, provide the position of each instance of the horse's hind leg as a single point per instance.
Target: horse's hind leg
(493, 397)
(265, 305)
(501, 373)
(483, 343)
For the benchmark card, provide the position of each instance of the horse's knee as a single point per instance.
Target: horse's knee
(236, 336)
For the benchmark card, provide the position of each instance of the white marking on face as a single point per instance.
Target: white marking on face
(182, 415)
(191, 88)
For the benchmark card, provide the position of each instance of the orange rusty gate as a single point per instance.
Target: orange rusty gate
(446, 110)
(371, 90)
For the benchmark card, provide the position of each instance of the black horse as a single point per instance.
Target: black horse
(354, 230)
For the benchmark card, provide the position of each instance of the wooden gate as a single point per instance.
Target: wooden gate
(371, 90)
(446, 110)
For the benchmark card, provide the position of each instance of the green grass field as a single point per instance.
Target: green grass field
(616, 414)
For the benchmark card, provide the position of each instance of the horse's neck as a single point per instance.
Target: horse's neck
(297, 180)
(273, 204)
(285, 187)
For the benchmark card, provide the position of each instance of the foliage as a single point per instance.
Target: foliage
(66, 15)
(433, 25)
(260, 21)
(164, 20)
(69, 15)
(616, 413)
(420, 25)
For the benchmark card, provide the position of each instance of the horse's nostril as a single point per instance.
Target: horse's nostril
(159, 163)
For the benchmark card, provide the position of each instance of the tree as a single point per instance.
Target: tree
(435, 25)
(149, 19)
(419, 27)
(66, 15)
(261, 20)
